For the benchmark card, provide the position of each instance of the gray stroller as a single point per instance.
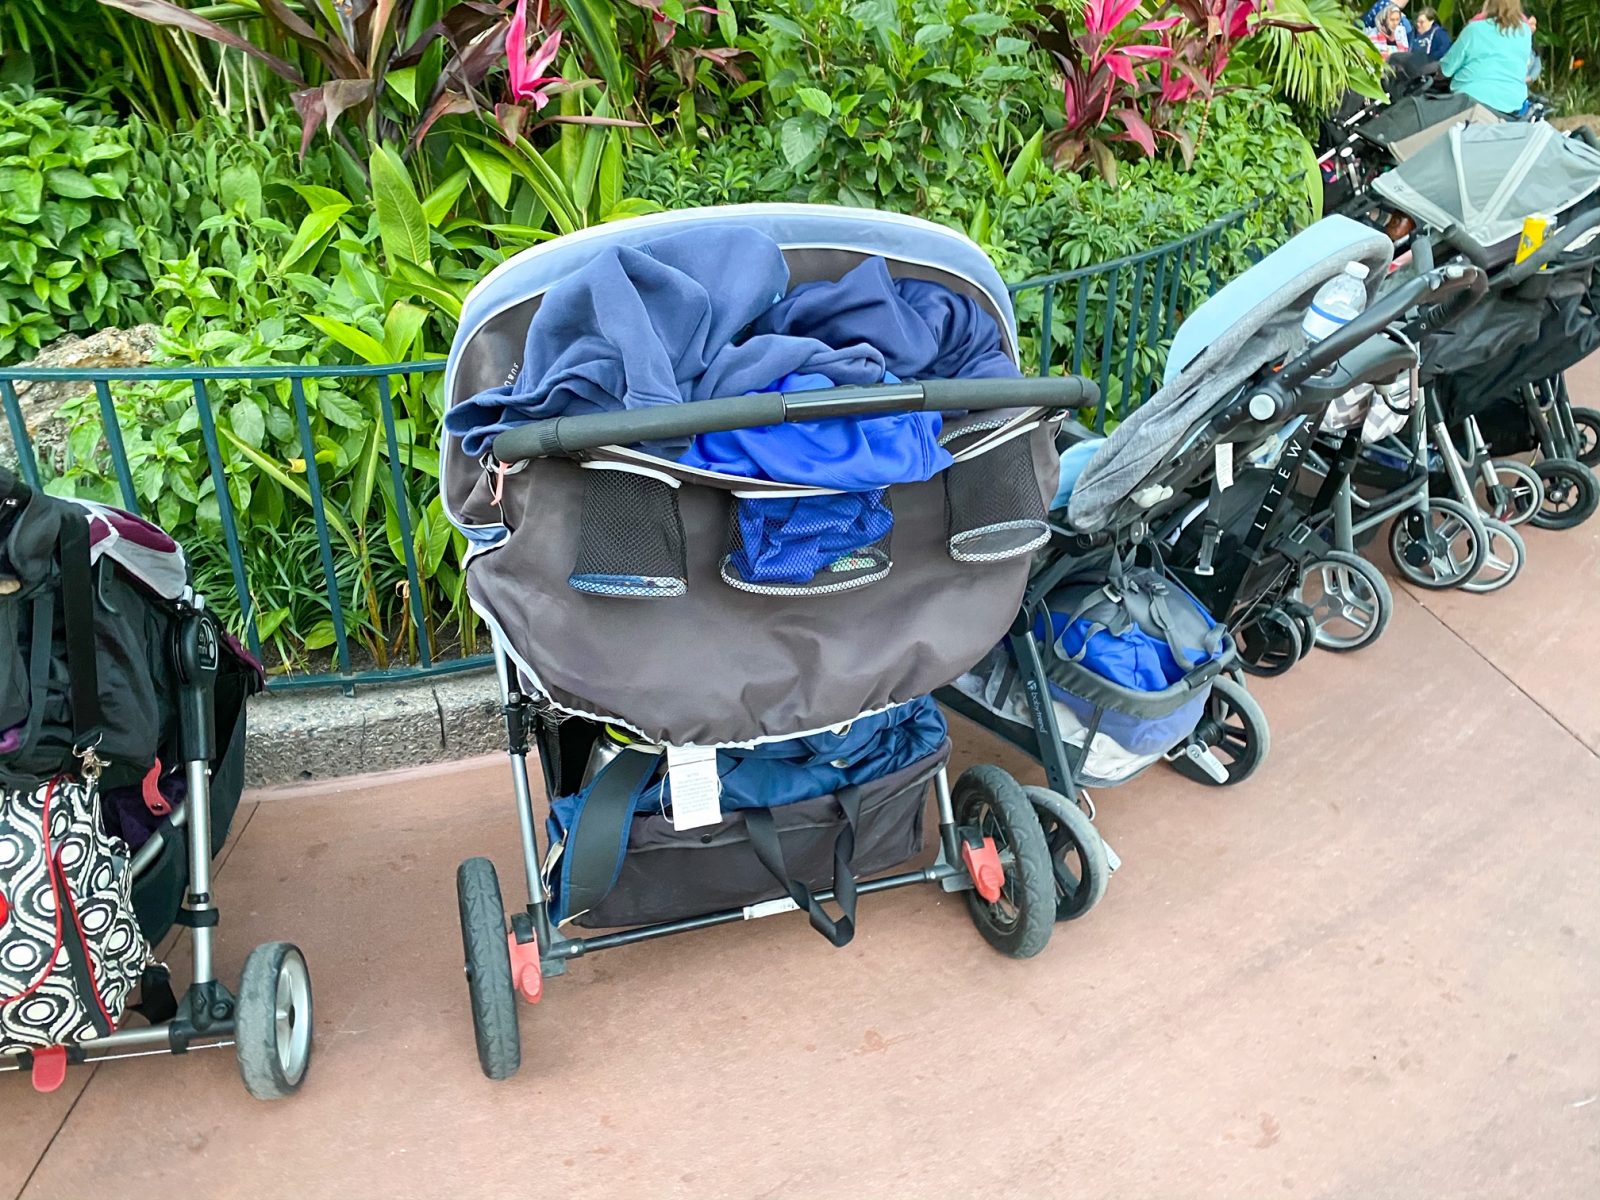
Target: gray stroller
(726, 672)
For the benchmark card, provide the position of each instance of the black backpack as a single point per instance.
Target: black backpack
(82, 650)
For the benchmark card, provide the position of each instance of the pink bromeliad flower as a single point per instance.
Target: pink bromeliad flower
(525, 72)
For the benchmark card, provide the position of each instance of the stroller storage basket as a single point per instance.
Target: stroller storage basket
(669, 874)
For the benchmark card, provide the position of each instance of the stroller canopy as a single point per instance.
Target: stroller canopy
(1412, 122)
(1488, 178)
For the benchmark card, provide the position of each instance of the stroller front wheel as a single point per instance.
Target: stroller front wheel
(1234, 729)
(1586, 421)
(1077, 853)
(1571, 494)
(488, 967)
(1502, 563)
(1520, 492)
(1441, 548)
(272, 1021)
(1018, 922)
(1349, 599)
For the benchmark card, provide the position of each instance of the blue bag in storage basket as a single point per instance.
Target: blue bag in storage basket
(1130, 656)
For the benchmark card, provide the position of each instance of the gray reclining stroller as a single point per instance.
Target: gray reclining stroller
(724, 654)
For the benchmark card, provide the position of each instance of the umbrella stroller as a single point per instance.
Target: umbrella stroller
(720, 639)
(1497, 374)
(122, 738)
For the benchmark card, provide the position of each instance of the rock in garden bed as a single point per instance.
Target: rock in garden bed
(41, 402)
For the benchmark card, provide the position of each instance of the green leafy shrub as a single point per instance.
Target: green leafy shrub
(69, 258)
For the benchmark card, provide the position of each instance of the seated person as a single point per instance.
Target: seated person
(1391, 32)
(1373, 14)
(1432, 38)
(1489, 61)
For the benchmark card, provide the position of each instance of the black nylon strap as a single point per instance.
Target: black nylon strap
(763, 834)
(77, 612)
(44, 641)
(595, 841)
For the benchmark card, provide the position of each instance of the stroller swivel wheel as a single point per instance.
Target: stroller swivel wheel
(1570, 494)
(1349, 599)
(1586, 421)
(1515, 497)
(1440, 549)
(991, 804)
(1234, 729)
(1305, 623)
(1270, 641)
(272, 1023)
(1077, 853)
(488, 964)
(1501, 564)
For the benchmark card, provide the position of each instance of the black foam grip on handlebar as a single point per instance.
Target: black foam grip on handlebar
(663, 422)
(1049, 391)
(1457, 237)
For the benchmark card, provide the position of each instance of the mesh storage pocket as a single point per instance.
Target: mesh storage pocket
(631, 542)
(808, 545)
(993, 508)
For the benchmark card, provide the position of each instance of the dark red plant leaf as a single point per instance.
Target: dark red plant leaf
(458, 26)
(160, 12)
(510, 118)
(447, 103)
(1138, 130)
(311, 105)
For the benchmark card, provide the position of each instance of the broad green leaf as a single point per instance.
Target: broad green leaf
(799, 141)
(246, 421)
(402, 225)
(320, 636)
(611, 172)
(287, 481)
(1026, 163)
(437, 204)
(366, 476)
(318, 222)
(412, 280)
(816, 100)
(400, 328)
(241, 190)
(267, 622)
(320, 197)
(403, 82)
(491, 170)
(64, 181)
(932, 35)
(358, 342)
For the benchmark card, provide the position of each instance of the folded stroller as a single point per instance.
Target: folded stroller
(1498, 372)
(122, 736)
(720, 621)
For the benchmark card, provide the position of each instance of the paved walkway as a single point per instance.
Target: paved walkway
(1373, 971)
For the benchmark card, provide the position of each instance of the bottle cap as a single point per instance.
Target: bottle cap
(1357, 269)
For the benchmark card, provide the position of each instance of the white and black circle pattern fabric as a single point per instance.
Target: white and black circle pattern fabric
(43, 997)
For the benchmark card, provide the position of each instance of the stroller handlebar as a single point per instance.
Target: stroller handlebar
(591, 431)
(1549, 250)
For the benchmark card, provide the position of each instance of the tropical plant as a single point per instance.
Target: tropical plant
(1315, 65)
(69, 257)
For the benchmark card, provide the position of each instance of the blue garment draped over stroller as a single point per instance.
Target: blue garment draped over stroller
(669, 322)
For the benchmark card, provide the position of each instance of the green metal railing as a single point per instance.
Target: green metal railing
(1111, 321)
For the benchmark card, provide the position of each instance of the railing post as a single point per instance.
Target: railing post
(230, 528)
(402, 505)
(319, 515)
(26, 462)
(119, 456)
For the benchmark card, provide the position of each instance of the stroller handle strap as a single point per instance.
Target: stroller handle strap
(590, 431)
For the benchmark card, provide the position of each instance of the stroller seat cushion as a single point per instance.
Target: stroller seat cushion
(1073, 461)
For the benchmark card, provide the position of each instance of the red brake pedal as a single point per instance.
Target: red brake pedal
(526, 974)
(982, 861)
(49, 1068)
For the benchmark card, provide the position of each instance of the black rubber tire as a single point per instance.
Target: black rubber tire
(1399, 538)
(1305, 624)
(488, 966)
(1236, 731)
(273, 1047)
(1569, 482)
(1382, 598)
(1587, 423)
(1068, 830)
(1269, 642)
(1525, 492)
(992, 804)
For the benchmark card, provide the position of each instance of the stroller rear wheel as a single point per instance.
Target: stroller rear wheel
(1570, 494)
(1077, 853)
(1586, 421)
(488, 965)
(1234, 729)
(1517, 495)
(272, 1021)
(1019, 921)
(1349, 598)
(1440, 550)
(1507, 552)
(1270, 641)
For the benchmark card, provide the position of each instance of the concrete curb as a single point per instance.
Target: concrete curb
(300, 736)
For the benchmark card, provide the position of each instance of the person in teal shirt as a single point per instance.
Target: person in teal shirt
(1489, 61)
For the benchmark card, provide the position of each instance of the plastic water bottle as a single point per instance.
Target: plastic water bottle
(1337, 303)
